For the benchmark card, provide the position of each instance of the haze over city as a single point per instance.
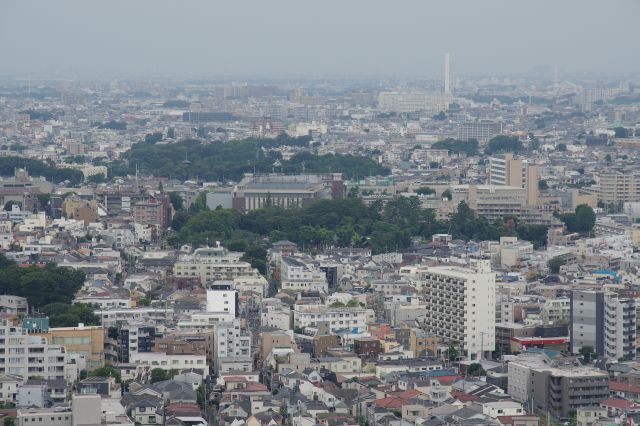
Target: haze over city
(74, 38)
(330, 213)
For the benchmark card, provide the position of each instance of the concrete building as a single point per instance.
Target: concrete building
(482, 131)
(504, 170)
(33, 395)
(619, 186)
(494, 202)
(556, 311)
(54, 416)
(134, 338)
(258, 190)
(232, 347)
(30, 355)
(13, 305)
(461, 307)
(604, 321)
(213, 264)
(86, 341)
(335, 318)
(551, 385)
(222, 298)
(296, 275)
(155, 211)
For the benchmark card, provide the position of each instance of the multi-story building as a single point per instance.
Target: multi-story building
(482, 131)
(296, 275)
(86, 341)
(461, 306)
(13, 304)
(28, 355)
(412, 101)
(155, 211)
(556, 387)
(492, 202)
(619, 186)
(555, 311)
(504, 170)
(232, 347)
(134, 338)
(604, 321)
(213, 264)
(147, 361)
(258, 190)
(335, 318)
(619, 327)
(222, 298)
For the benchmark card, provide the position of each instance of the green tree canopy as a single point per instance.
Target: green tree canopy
(41, 286)
(63, 315)
(504, 144)
(457, 146)
(555, 263)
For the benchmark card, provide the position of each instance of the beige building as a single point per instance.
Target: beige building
(504, 170)
(619, 186)
(496, 202)
(87, 341)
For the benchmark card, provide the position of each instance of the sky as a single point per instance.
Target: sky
(300, 38)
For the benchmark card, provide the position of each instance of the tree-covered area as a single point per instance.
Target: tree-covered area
(230, 160)
(457, 146)
(582, 220)
(40, 285)
(8, 167)
(112, 125)
(344, 222)
(42, 115)
(64, 315)
(501, 144)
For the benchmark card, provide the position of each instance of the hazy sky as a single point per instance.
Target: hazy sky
(83, 38)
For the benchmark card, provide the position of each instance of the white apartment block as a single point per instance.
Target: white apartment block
(203, 320)
(147, 361)
(232, 346)
(461, 306)
(619, 327)
(29, 356)
(296, 275)
(222, 299)
(213, 264)
(337, 318)
(112, 317)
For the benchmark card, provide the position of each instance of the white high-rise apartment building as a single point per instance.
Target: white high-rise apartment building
(29, 356)
(461, 306)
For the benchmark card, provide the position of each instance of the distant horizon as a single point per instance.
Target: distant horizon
(288, 39)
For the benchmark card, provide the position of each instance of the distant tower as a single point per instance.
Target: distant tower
(556, 81)
(447, 90)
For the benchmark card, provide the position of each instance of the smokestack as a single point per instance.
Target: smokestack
(446, 74)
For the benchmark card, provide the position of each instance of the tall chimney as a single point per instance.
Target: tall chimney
(447, 90)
